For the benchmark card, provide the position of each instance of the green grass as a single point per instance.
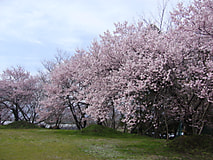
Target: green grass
(101, 143)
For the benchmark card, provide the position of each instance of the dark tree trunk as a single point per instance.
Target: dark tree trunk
(15, 113)
(113, 118)
(99, 122)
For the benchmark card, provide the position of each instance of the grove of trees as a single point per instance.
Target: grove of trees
(138, 77)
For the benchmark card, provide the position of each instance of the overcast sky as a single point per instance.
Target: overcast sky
(32, 30)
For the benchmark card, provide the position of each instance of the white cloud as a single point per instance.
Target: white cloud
(35, 41)
(51, 19)
(35, 28)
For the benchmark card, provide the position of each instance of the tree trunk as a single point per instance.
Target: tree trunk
(113, 118)
(167, 128)
(202, 119)
(125, 128)
(99, 122)
(26, 118)
(15, 113)
(76, 119)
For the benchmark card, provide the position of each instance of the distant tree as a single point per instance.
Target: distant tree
(18, 93)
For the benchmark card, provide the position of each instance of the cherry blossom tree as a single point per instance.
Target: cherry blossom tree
(63, 91)
(194, 38)
(142, 74)
(141, 71)
(18, 93)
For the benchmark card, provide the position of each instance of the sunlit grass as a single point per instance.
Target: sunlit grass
(44, 144)
(39, 145)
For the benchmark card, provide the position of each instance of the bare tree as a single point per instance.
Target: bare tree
(59, 58)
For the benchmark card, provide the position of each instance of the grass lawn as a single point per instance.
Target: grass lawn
(45, 144)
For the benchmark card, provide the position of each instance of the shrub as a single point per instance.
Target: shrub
(192, 144)
(21, 125)
(99, 130)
